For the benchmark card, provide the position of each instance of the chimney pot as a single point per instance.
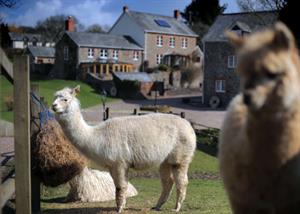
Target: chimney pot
(125, 9)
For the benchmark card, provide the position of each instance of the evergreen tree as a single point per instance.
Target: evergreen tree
(204, 11)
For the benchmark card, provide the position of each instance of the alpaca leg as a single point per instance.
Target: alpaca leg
(166, 182)
(120, 178)
(181, 182)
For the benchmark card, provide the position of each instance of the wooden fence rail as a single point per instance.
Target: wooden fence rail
(6, 65)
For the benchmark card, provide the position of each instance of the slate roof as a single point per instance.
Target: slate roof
(21, 36)
(102, 40)
(134, 76)
(248, 21)
(147, 22)
(41, 51)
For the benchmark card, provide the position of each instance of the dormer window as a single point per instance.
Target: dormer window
(240, 28)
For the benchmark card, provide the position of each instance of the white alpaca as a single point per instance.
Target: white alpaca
(137, 142)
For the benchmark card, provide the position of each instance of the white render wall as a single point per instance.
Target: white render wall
(126, 26)
(18, 44)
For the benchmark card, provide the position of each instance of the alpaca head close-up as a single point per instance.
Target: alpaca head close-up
(268, 65)
(65, 100)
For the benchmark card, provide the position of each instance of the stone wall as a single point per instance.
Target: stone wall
(66, 69)
(152, 49)
(215, 67)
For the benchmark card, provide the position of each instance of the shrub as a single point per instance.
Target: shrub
(209, 137)
(163, 67)
(9, 102)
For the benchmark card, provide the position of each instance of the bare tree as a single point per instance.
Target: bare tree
(95, 28)
(259, 5)
(53, 27)
(8, 3)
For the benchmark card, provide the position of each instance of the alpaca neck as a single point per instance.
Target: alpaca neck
(75, 128)
(269, 132)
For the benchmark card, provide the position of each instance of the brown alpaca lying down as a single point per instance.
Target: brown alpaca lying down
(260, 139)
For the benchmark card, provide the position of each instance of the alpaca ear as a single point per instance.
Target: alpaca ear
(283, 37)
(76, 90)
(234, 39)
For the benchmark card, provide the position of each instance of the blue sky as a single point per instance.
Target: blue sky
(103, 12)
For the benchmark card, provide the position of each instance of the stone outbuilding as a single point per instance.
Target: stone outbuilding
(221, 83)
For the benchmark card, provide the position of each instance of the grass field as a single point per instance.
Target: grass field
(205, 194)
(88, 97)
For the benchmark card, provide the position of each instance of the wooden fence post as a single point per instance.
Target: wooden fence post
(106, 113)
(22, 134)
(135, 111)
(182, 114)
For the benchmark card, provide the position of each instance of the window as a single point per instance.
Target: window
(159, 58)
(184, 43)
(135, 55)
(103, 54)
(159, 41)
(66, 53)
(220, 86)
(231, 61)
(172, 42)
(115, 54)
(90, 53)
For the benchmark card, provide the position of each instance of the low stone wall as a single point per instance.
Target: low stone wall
(6, 129)
(170, 79)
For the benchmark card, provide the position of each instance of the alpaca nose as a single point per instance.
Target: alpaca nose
(54, 105)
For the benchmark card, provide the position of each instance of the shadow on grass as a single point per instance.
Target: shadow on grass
(59, 200)
(88, 210)
(210, 150)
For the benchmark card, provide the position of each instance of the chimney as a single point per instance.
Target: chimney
(70, 24)
(176, 14)
(125, 9)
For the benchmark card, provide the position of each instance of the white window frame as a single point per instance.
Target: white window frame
(172, 42)
(159, 41)
(231, 61)
(115, 54)
(103, 54)
(220, 86)
(66, 53)
(90, 52)
(159, 58)
(135, 55)
(184, 43)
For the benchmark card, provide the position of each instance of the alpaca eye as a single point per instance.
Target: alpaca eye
(271, 76)
(65, 100)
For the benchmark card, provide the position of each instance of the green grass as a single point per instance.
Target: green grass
(203, 196)
(6, 89)
(88, 97)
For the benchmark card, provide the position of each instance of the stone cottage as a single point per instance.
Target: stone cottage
(158, 35)
(78, 53)
(221, 83)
